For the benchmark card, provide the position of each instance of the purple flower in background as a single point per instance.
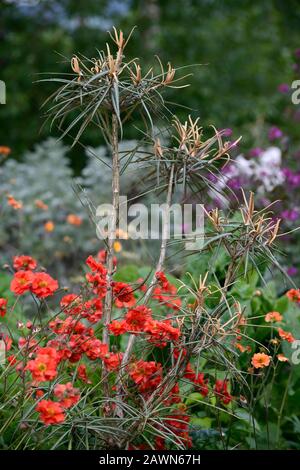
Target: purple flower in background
(292, 271)
(293, 179)
(290, 214)
(275, 133)
(226, 132)
(283, 88)
(255, 152)
(297, 53)
(211, 177)
(236, 183)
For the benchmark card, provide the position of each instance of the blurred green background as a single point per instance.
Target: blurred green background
(245, 48)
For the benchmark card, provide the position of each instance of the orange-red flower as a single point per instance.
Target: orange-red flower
(136, 317)
(96, 266)
(293, 295)
(82, 374)
(21, 282)
(4, 150)
(161, 332)
(74, 219)
(118, 327)
(197, 379)
(67, 395)
(7, 341)
(24, 262)
(123, 294)
(94, 349)
(49, 226)
(40, 204)
(44, 366)
(221, 391)
(260, 360)
(113, 361)
(286, 335)
(147, 375)
(273, 317)
(240, 347)
(3, 306)
(50, 411)
(282, 358)
(11, 201)
(43, 285)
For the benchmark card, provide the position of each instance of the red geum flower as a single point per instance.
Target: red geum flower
(98, 283)
(197, 379)
(136, 318)
(221, 391)
(286, 335)
(113, 361)
(71, 304)
(21, 282)
(173, 396)
(7, 341)
(161, 332)
(168, 298)
(67, 395)
(24, 262)
(123, 294)
(93, 310)
(43, 285)
(51, 412)
(94, 349)
(44, 366)
(3, 306)
(118, 327)
(82, 374)
(146, 375)
(293, 295)
(96, 266)
(163, 281)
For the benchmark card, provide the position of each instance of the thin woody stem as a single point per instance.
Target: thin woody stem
(159, 266)
(112, 235)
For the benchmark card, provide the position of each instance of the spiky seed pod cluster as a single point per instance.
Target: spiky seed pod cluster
(108, 84)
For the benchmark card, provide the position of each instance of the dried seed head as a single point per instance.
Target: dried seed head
(136, 76)
(158, 149)
(170, 75)
(274, 232)
(75, 67)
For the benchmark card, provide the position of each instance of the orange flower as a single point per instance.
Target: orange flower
(50, 411)
(11, 201)
(260, 360)
(21, 282)
(293, 295)
(24, 262)
(273, 317)
(74, 219)
(40, 204)
(117, 247)
(286, 335)
(49, 226)
(240, 347)
(282, 358)
(4, 150)
(43, 285)
(3, 306)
